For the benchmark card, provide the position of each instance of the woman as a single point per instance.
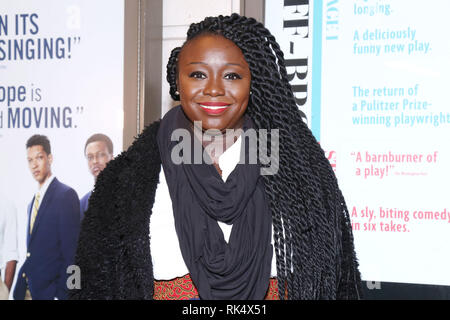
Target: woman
(233, 232)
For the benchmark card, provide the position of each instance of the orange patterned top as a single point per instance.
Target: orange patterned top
(183, 289)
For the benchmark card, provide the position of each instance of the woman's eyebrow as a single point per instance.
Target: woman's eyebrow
(235, 64)
(228, 64)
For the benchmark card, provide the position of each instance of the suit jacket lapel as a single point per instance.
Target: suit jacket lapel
(45, 201)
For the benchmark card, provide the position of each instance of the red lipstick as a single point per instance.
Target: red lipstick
(214, 107)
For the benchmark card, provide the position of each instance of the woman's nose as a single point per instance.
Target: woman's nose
(214, 87)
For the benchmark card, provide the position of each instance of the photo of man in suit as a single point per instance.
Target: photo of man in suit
(98, 151)
(52, 230)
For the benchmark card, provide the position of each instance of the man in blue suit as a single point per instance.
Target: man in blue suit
(98, 151)
(52, 233)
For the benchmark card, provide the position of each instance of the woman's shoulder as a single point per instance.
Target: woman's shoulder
(129, 179)
(143, 152)
(137, 168)
(145, 144)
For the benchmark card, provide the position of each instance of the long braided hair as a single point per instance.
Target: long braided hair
(312, 233)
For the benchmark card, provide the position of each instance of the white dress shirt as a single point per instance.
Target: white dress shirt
(8, 232)
(167, 260)
(42, 190)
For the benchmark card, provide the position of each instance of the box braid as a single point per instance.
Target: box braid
(313, 238)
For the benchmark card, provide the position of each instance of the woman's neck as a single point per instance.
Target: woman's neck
(216, 142)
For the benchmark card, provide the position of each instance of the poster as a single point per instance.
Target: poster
(61, 75)
(379, 71)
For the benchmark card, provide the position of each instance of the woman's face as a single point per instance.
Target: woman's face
(213, 82)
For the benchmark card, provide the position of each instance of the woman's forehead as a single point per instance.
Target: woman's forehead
(210, 47)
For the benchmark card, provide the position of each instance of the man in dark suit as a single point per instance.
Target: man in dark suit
(98, 151)
(52, 233)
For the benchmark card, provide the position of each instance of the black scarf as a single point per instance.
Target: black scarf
(239, 269)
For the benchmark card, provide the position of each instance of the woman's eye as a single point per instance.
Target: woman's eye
(232, 76)
(197, 75)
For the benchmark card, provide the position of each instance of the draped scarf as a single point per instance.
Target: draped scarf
(239, 269)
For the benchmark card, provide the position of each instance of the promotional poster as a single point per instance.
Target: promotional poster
(374, 75)
(61, 76)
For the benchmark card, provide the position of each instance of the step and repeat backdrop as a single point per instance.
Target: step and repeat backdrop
(371, 77)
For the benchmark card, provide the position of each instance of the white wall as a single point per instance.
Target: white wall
(177, 16)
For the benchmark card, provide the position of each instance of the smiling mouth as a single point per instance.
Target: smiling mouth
(214, 107)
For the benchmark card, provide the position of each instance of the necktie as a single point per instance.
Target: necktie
(35, 211)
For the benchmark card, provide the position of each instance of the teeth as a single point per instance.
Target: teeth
(212, 108)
